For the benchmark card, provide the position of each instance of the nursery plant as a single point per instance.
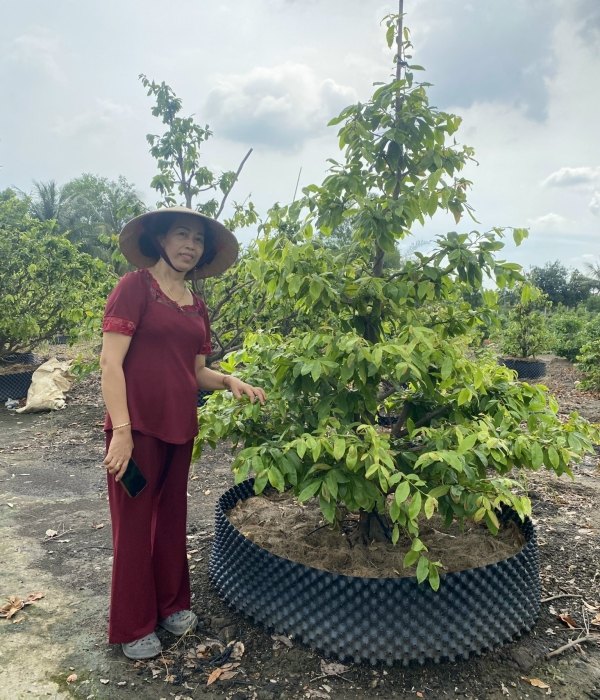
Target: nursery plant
(392, 342)
(525, 333)
(47, 285)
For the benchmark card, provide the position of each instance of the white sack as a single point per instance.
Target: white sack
(49, 384)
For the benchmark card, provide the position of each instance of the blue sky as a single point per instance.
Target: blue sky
(269, 74)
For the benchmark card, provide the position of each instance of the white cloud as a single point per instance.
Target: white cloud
(548, 222)
(279, 107)
(105, 115)
(573, 177)
(40, 50)
(595, 204)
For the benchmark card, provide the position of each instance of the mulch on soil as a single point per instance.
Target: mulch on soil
(278, 523)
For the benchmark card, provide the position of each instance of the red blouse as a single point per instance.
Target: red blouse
(159, 368)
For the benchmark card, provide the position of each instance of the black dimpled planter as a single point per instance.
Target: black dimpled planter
(525, 369)
(376, 619)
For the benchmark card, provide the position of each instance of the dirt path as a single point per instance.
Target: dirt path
(50, 479)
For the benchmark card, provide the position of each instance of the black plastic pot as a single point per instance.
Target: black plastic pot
(18, 358)
(525, 369)
(376, 619)
(202, 396)
(15, 386)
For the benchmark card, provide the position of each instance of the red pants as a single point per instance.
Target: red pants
(150, 578)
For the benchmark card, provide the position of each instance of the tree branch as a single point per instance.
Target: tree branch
(239, 170)
(427, 417)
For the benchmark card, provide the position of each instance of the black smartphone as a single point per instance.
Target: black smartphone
(133, 480)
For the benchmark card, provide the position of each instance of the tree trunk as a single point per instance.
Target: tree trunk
(371, 528)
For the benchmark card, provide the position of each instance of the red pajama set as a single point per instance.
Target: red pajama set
(150, 571)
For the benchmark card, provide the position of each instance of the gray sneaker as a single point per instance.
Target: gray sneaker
(180, 622)
(145, 648)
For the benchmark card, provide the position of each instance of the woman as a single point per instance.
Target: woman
(156, 338)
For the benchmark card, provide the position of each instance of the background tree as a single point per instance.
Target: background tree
(48, 202)
(559, 284)
(47, 285)
(389, 340)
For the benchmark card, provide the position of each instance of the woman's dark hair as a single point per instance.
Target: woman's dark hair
(160, 226)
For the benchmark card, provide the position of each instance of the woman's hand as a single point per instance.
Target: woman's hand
(119, 452)
(239, 388)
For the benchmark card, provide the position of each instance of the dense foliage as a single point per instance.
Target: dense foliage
(388, 341)
(568, 287)
(47, 285)
(524, 334)
(571, 329)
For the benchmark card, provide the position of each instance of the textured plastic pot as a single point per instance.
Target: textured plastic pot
(376, 619)
(15, 386)
(19, 358)
(202, 396)
(525, 369)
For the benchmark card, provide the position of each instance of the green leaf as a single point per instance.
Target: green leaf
(415, 506)
(328, 508)
(402, 492)
(429, 508)
(410, 558)
(351, 457)
(395, 534)
(339, 448)
(439, 491)
(537, 456)
(447, 367)
(309, 491)
(553, 455)
(464, 396)
(434, 576)
(276, 479)
(422, 569)
(467, 444)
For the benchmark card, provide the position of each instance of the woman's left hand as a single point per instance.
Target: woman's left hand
(239, 388)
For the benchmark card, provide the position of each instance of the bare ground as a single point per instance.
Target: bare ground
(51, 479)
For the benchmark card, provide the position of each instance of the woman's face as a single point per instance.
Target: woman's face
(184, 242)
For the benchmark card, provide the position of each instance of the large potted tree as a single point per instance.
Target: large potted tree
(524, 334)
(394, 341)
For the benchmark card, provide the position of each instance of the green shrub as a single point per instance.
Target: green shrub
(47, 285)
(525, 333)
(589, 365)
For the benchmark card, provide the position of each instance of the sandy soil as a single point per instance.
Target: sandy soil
(51, 479)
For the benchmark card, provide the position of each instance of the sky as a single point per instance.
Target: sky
(524, 75)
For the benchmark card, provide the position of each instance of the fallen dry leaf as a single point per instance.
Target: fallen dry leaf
(207, 492)
(104, 681)
(19, 619)
(318, 694)
(420, 695)
(214, 676)
(238, 651)
(283, 639)
(596, 620)
(33, 597)
(567, 620)
(535, 682)
(72, 678)
(121, 683)
(332, 669)
(97, 527)
(227, 675)
(51, 533)
(591, 608)
(12, 607)
(504, 689)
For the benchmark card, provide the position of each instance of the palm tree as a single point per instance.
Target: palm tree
(49, 202)
(593, 270)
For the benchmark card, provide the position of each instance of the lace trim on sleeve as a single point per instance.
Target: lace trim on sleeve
(114, 324)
